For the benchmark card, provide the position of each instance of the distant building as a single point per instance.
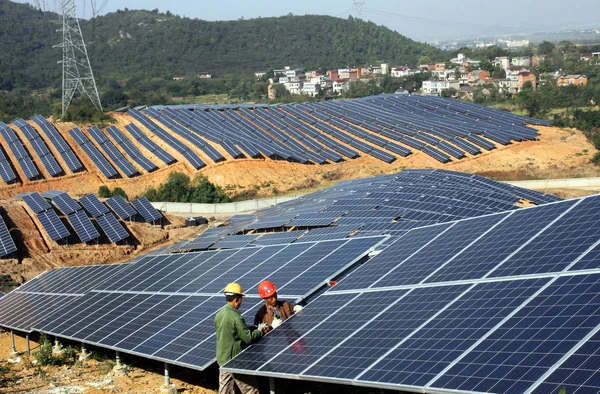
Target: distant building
(536, 60)
(333, 75)
(427, 67)
(524, 61)
(579, 80)
(341, 86)
(204, 75)
(523, 78)
(260, 74)
(400, 72)
(297, 73)
(272, 92)
(178, 77)
(440, 66)
(311, 89)
(435, 88)
(503, 62)
(385, 68)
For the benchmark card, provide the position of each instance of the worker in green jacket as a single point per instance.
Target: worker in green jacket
(232, 336)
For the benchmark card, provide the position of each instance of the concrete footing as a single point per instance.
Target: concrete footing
(14, 354)
(120, 369)
(168, 389)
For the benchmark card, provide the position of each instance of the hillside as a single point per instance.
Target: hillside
(149, 44)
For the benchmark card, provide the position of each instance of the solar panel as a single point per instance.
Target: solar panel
(83, 227)
(144, 208)
(7, 244)
(35, 202)
(139, 313)
(59, 142)
(234, 241)
(40, 147)
(112, 152)
(131, 149)
(93, 153)
(112, 228)
(93, 205)
(6, 171)
(65, 203)
(40, 297)
(471, 321)
(121, 207)
(278, 238)
(53, 225)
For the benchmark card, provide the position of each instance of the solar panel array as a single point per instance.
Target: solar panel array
(40, 147)
(147, 143)
(162, 307)
(6, 171)
(469, 294)
(59, 143)
(112, 152)
(497, 303)
(7, 244)
(53, 225)
(83, 226)
(144, 208)
(113, 229)
(131, 150)
(19, 152)
(93, 153)
(121, 207)
(186, 152)
(385, 127)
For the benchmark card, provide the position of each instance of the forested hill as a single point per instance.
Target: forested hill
(144, 44)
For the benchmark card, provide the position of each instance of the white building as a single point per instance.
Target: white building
(344, 73)
(294, 87)
(311, 89)
(340, 86)
(524, 61)
(435, 88)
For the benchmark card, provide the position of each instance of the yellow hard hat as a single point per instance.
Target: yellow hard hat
(233, 289)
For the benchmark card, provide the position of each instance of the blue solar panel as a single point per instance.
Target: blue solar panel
(36, 202)
(121, 207)
(7, 244)
(40, 147)
(93, 205)
(65, 203)
(83, 227)
(149, 144)
(53, 225)
(112, 152)
(93, 153)
(112, 228)
(144, 208)
(59, 143)
(131, 150)
(6, 170)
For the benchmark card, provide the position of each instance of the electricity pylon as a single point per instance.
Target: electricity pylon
(359, 6)
(77, 71)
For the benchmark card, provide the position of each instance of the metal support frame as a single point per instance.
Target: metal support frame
(167, 378)
(77, 71)
(12, 342)
(272, 389)
(28, 345)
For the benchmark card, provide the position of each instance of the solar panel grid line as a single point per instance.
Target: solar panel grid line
(569, 304)
(136, 303)
(562, 360)
(149, 265)
(112, 228)
(533, 238)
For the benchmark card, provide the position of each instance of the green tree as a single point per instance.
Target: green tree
(104, 192)
(546, 48)
(117, 191)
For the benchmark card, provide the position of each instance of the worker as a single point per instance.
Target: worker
(273, 312)
(232, 336)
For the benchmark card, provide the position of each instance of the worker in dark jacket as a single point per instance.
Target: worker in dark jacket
(273, 312)
(232, 336)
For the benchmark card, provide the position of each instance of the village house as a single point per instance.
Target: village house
(536, 60)
(521, 61)
(427, 67)
(435, 88)
(178, 77)
(474, 77)
(340, 86)
(400, 72)
(204, 76)
(565, 80)
(440, 66)
(297, 73)
(523, 78)
(311, 89)
(333, 75)
(260, 74)
(294, 87)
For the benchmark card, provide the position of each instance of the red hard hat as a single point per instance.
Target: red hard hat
(266, 289)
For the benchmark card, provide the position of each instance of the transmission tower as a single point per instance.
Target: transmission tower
(77, 71)
(359, 6)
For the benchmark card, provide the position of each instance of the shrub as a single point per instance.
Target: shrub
(104, 192)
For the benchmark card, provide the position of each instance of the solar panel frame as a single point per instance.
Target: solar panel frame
(54, 227)
(7, 244)
(112, 228)
(144, 208)
(93, 205)
(121, 207)
(83, 227)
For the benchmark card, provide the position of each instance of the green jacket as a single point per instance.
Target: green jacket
(231, 331)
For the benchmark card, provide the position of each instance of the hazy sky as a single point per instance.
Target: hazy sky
(419, 20)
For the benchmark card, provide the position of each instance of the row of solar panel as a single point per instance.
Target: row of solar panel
(79, 220)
